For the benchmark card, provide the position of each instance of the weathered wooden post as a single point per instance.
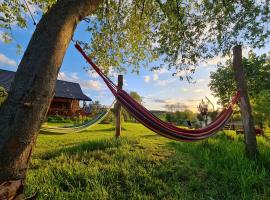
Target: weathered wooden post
(118, 109)
(249, 128)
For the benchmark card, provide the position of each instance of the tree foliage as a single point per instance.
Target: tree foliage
(181, 117)
(125, 115)
(131, 34)
(257, 73)
(182, 33)
(262, 108)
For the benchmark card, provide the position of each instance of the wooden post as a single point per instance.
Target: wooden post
(118, 109)
(249, 128)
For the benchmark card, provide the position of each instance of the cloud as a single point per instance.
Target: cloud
(171, 104)
(162, 71)
(125, 82)
(165, 82)
(94, 85)
(185, 72)
(147, 79)
(86, 84)
(215, 61)
(92, 74)
(185, 89)
(181, 73)
(155, 77)
(210, 69)
(7, 61)
(169, 101)
(200, 81)
(199, 90)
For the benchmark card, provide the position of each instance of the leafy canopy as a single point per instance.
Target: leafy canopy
(181, 33)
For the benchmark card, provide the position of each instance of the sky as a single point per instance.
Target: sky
(157, 88)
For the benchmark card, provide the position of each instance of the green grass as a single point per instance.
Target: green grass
(142, 165)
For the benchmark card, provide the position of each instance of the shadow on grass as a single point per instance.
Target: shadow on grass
(50, 133)
(103, 130)
(88, 146)
(84, 131)
(151, 136)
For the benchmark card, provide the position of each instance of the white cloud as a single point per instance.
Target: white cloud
(199, 90)
(92, 74)
(7, 61)
(200, 81)
(185, 90)
(86, 84)
(215, 61)
(185, 72)
(162, 71)
(94, 85)
(210, 69)
(155, 77)
(74, 76)
(165, 82)
(125, 82)
(181, 73)
(167, 101)
(147, 79)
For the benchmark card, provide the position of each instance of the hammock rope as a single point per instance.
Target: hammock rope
(152, 122)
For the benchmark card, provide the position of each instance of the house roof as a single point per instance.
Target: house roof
(63, 89)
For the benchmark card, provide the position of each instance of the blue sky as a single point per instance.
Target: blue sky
(156, 88)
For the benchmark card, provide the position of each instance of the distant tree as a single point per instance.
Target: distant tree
(136, 96)
(170, 107)
(262, 108)
(257, 73)
(180, 117)
(189, 115)
(169, 117)
(213, 115)
(125, 115)
(95, 108)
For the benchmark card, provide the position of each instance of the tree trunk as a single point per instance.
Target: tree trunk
(33, 89)
(249, 128)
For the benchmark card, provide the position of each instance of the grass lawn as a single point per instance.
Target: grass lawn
(142, 165)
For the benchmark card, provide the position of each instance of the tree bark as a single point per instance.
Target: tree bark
(249, 127)
(33, 88)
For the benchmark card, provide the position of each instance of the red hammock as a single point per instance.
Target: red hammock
(165, 129)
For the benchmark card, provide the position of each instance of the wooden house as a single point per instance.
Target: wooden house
(66, 101)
